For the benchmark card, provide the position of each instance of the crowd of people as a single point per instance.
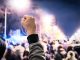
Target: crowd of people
(68, 52)
(63, 51)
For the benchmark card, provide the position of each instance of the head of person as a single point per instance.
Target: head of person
(71, 54)
(70, 48)
(61, 50)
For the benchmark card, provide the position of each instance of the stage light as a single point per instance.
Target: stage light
(76, 35)
(46, 22)
(16, 37)
(47, 19)
(59, 35)
(49, 27)
(19, 5)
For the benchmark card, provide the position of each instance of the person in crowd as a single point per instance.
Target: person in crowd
(70, 48)
(18, 56)
(71, 56)
(2, 48)
(25, 55)
(10, 55)
(35, 48)
(77, 49)
(50, 51)
(50, 47)
(47, 55)
(61, 53)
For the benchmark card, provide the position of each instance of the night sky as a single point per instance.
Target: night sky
(67, 13)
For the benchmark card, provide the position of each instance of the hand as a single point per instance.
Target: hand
(28, 23)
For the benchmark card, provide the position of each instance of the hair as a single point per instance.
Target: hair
(26, 53)
(8, 54)
(59, 47)
(70, 48)
(71, 54)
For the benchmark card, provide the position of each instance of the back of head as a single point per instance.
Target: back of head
(71, 56)
(70, 48)
(26, 53)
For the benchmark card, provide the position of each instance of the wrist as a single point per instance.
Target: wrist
(31, 32)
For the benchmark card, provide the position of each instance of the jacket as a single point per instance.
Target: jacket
(35, 48)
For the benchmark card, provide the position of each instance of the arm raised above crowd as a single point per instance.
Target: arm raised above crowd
(35, 48)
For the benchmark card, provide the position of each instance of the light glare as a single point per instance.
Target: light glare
(19, 5)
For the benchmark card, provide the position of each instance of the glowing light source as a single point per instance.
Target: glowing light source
(47, 19)
(48, 26)
(76, 36)
(19, 5)
(16, 37)
(59, 35)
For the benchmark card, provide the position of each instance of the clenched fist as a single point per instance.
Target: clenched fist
(28, 23)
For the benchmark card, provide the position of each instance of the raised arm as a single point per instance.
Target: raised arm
(35, 48)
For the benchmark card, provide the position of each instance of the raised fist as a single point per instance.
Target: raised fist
(28, 23)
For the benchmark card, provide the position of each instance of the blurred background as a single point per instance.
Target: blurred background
(55, 19)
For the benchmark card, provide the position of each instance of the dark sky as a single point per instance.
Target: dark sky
(67, 13)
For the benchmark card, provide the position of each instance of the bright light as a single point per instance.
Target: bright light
(47, 19)
(59, 35)
(47, 22)
(19, 5)
(16, 37)
(76, 36)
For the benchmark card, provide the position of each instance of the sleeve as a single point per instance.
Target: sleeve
(35, 48)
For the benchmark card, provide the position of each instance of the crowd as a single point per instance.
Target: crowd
(63, 51)
(68, 52)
